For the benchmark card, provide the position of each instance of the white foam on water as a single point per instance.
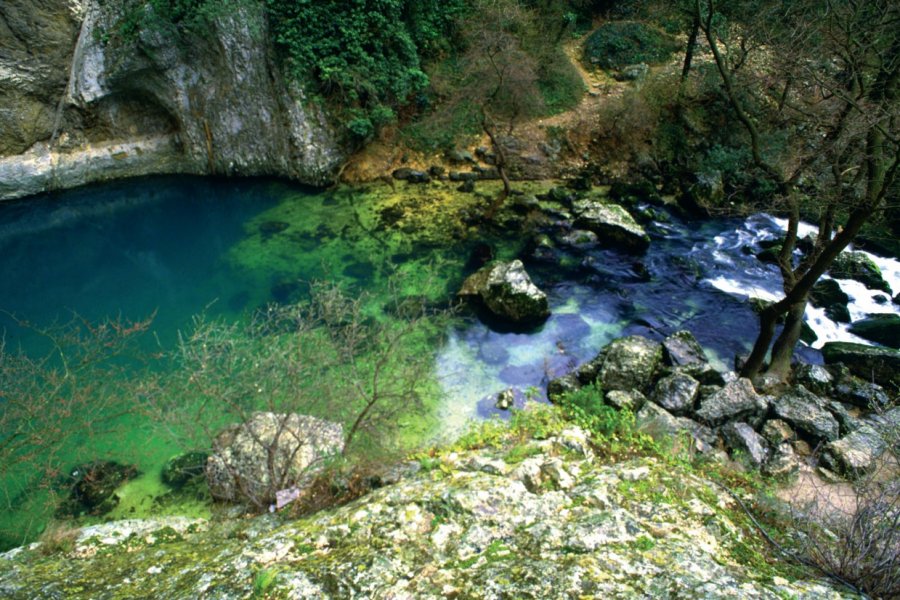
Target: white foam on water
(742, 289)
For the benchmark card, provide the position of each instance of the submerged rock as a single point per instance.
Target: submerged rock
(92, 487)
(507, 291)
(251, 461)
(883, 329)
(184, 468)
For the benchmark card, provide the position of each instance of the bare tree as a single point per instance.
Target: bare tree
(827, 81)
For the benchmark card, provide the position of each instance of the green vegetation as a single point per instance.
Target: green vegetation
(619, 44)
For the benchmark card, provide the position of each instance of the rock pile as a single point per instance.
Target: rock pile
(675, 392)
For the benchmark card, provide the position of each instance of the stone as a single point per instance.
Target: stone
(806, 411)
(854, 454)
(664, 427)
(184, 468)
(847, 421)
(871, 363)
(882, 329)
(411, 175)
(630, 363)
(855, 391)
(507, 291)
(676, 393)
(827, 294)
(239, 469)
(741, 437)
(559, 387)
(682, 349)
(777, 432)
(631, 400)
(815, 378)
(738, 400)
(614, 226)
(783, 462)
(506, 399)
(578, 239)
(859, 267)
(92, 486)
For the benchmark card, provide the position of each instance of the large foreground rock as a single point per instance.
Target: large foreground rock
(879, 365)
(855, 454)
(241, 468)
(507, 291)
(555, 526)
(806, 412)
(630, 363)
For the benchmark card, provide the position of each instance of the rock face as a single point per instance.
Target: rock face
(507, 291)
(239, 467)
(556, 525)
(165, 101)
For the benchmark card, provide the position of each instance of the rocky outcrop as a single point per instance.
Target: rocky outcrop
(558, 524)
(508, 292)
(91, 106)
(269, 453)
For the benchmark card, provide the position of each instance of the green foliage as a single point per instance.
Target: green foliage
(263, 582)
(613, 430)
(621, 43)
(364, 55)
(559, 81)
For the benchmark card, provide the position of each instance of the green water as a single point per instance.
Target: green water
(173, 248)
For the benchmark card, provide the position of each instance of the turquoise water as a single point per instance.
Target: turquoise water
(175, 247)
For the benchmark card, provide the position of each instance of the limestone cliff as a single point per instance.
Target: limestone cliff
(76, 107)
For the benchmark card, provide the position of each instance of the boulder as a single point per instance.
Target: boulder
(664, 427)
(614, 226)
(677, 393)
(632, 400)
(183, 468)
(854, 454)
(738, 400)
(741, 437)
(241, 468)
(879, 365)
(827, 294)
(859, 267)
(815, 378)
(855, 391)
(806, 411)
(847, 421)
(630, 363)
(882, 329)
(507, 291)
(682, 349)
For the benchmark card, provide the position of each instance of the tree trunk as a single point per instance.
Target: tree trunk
(783, 349)
(692, 43)
(500, 153)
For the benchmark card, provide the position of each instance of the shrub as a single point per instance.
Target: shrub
(622, 43)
